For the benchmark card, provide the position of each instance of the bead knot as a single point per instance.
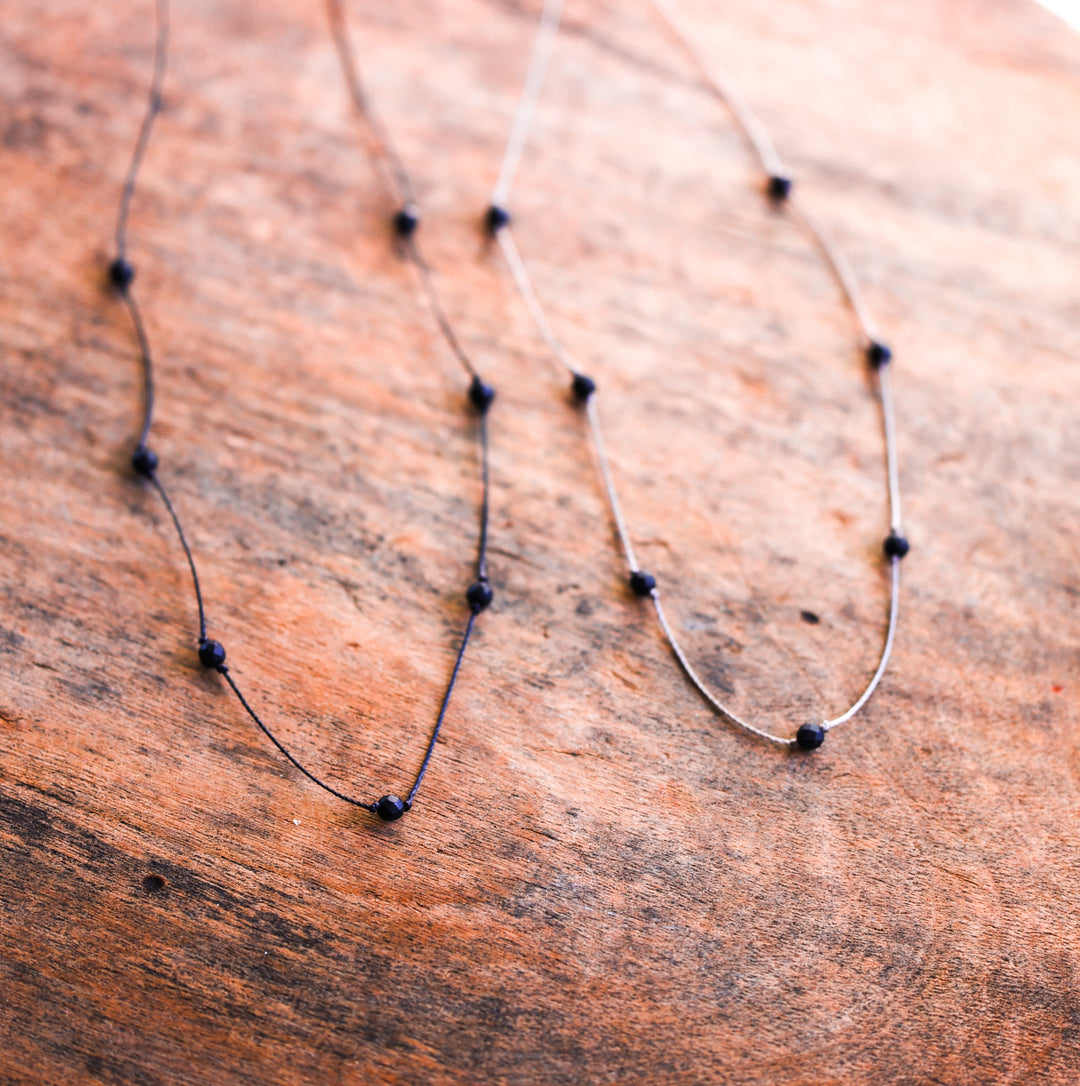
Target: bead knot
(479, 595)
(211, 653)
(406, 221)
(896, 545)
(481, 395)
(495, 218)
(642, 583)
(878, 354)
(810, 737)
(121, 273)
(391, 808)
(582, 387)
(779, 188)
(145, 461)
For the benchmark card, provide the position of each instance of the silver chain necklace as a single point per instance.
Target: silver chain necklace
(780, 191)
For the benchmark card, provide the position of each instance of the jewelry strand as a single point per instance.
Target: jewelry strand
(779, 188)
(145, 462)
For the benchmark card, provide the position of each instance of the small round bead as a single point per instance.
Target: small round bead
(582, 387)
(878, 354)
(145, 461)
(642, 583)
(481, 395)
(495, 218)
(810, 737)
(896, 546)
(121, 273)
(211, 653)
(406, 221)
(479, 596)
(779, 187)
(391, 808)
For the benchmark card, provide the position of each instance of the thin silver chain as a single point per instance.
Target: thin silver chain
(725, 90)
(550, 16)
(772, 165)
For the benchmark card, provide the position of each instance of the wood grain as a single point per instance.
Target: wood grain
(601, 883)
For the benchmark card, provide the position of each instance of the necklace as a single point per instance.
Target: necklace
(145, 462)
(779, 189)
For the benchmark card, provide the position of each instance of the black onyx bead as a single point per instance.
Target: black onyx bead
(481, 395)
(406, 221)
(479, 596)
(121, 274)
(582, 387)
(779, 187)
(391, 808)
(495, 218)
(810, 737)
(896, 546)
(642, 583)
(211, 653)
(878, 354)
(144, 460)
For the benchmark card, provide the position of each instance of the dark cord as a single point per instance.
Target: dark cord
(481, 555)
(145, 461)
(442, 710)
(412, 247)
(224, 670)
(153, 107)
(156, 482)
(393, 166)
(147, 366)
(385, 152)
(481, 572)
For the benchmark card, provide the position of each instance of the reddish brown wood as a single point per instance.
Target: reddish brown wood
(601, 883)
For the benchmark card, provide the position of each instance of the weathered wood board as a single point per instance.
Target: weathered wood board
(601, 882)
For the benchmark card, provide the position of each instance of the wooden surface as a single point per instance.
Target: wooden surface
(601, 882)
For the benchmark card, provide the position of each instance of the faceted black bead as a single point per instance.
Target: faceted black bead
(211, 653)
(779, 188)
(144, 460)
(391, 808)
(495, 218)
(582, 387)
(810, 737)
(481, 395)
(642, 583)
(479, 596)
(878, 354)
(121, 274)
(406, 221)
(896, 546)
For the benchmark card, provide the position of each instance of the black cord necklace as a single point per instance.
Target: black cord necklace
(809, 736)
(145, 461)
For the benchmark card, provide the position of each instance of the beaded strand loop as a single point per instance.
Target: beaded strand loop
(780, 190)
(145, 461)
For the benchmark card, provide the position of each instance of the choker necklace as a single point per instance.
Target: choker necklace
(779, 189)
(144, 460)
